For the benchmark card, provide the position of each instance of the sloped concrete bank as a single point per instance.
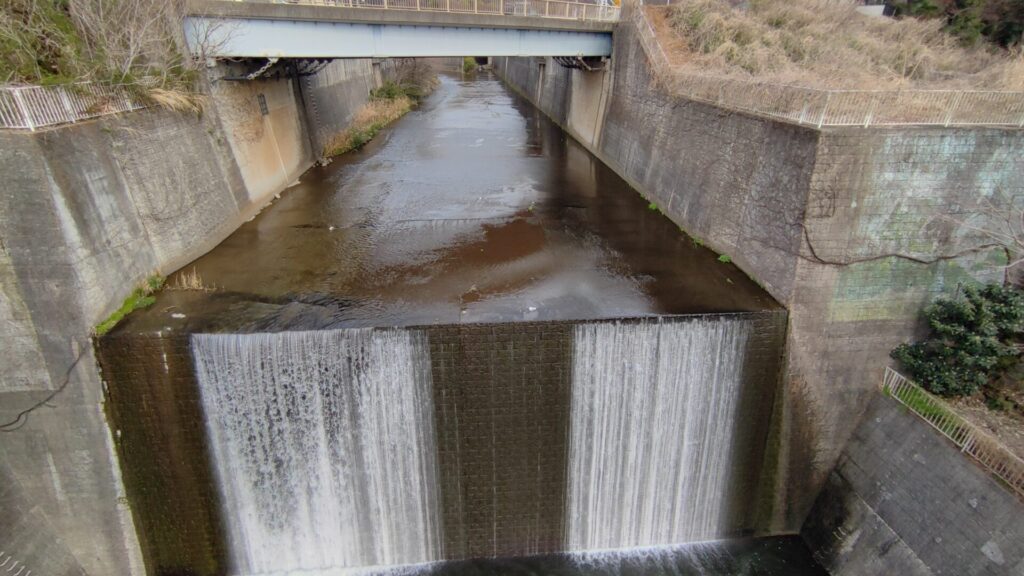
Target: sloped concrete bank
(851, 229)
(87, 212)
(904, 500)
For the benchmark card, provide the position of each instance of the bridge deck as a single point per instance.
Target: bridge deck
(438, 28)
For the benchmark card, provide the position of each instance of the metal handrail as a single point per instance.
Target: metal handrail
(553, 9)
(34, 107)
(833, 107)
(970, 439)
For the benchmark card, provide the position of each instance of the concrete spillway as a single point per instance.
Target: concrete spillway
(654, 411)
(323, 444)
(326, 456)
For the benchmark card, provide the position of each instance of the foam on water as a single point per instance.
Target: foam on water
(323, 443)
(654, 407)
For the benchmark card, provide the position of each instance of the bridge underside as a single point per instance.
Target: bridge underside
(250, 37)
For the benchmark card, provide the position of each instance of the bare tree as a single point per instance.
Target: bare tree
(136, 40)
(999, 220)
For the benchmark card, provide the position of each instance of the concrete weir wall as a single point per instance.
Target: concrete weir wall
(849, 228)
(502, 427)
(904, 500)
(87, 212)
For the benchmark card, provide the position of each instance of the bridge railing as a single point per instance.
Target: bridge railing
(33, 107)
(821, 107)
(558, 9)
(971, 440)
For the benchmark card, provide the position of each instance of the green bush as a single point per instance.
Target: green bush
(393, 90)
(973, 340)
(468, 65)
(1001, 21)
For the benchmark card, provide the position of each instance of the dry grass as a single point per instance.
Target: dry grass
(827, 44)
(368, 122)
(176, 99)
(190, 280)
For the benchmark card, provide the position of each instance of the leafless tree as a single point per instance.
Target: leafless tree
(141, 42)
(999, 220)
(414, 72)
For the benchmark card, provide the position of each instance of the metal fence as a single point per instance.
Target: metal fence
(1003, 463)
(815, 107)
(33, 107)
(558, 9)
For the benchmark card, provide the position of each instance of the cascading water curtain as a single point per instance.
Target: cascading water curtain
(324, 447)
(652, 427)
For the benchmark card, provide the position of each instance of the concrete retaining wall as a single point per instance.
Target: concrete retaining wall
(335, 95)
(849, 228)
(87, 212)
(904, 500)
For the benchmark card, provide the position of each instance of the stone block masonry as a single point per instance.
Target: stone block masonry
(903, 500)
(852, 229)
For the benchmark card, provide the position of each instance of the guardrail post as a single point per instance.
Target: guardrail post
(952, 109)
(824, 109)
(871, 112)
(68, 108)
(23, 109)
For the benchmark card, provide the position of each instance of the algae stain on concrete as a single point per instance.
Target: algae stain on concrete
(892, 288)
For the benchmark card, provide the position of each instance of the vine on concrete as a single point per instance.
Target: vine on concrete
(22, 417)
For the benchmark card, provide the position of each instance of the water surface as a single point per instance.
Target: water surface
(473, 208)
(774, 556)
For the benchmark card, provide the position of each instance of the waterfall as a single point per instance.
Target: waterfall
(323, 443)
(652, 424)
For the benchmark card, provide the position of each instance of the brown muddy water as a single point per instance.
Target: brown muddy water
(473, 208)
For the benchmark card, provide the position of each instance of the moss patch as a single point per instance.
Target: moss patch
(141, 297)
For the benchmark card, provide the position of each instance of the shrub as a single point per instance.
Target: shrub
(468, 65)
(973, 340)
(395, 91)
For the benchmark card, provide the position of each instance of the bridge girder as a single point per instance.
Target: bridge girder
(235, 37)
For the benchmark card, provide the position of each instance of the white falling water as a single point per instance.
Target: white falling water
(651, 438)
(323, 443)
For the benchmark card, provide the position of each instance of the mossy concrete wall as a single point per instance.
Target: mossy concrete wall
(87, 212)
(851, 229)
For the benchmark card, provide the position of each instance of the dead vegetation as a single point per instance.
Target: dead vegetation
(378, 113)
(827, 44)
(190, 280)
(135, 44)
